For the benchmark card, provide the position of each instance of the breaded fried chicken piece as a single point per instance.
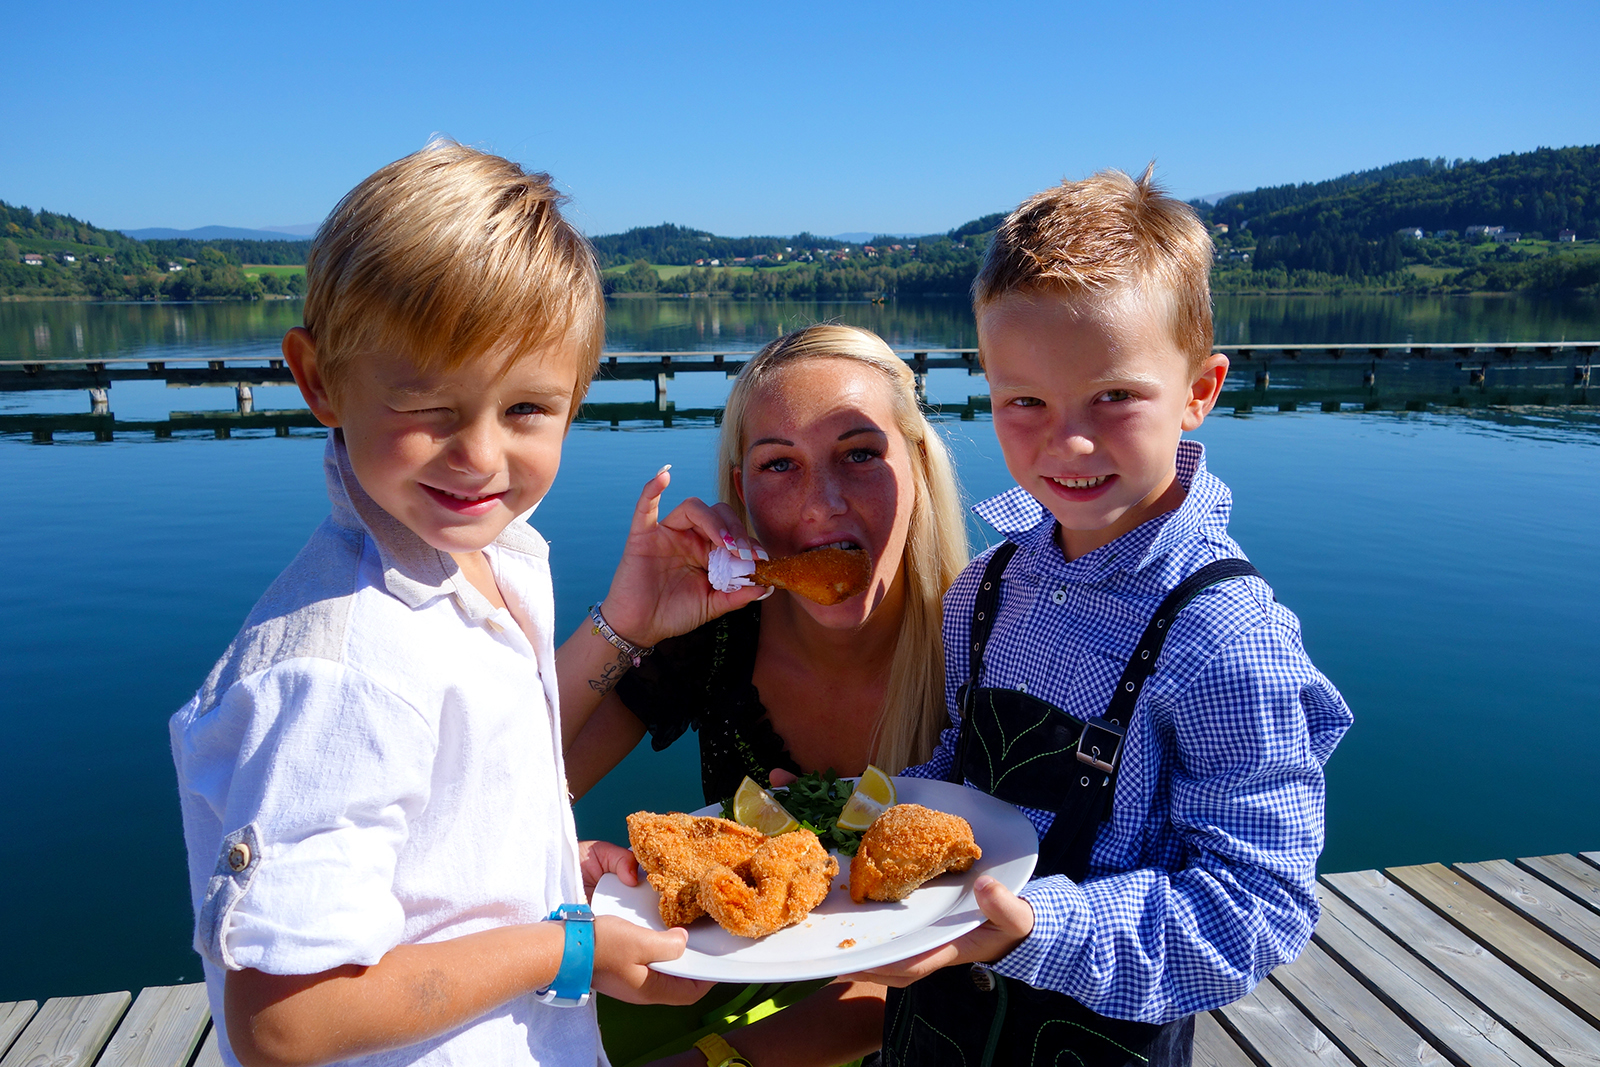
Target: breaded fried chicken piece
(676, 849)
(788, 876)
(826, 575)
(906, 846)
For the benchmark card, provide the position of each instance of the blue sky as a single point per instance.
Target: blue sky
(764, 117)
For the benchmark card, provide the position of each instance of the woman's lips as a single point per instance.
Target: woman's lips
(461, 505)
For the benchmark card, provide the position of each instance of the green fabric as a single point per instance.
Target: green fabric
(636, 1034)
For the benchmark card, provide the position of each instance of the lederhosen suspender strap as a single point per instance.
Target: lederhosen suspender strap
(1027, 752)
(1069, 767)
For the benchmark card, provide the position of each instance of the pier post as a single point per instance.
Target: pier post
(244, 399)
(1263, 379)
(99, 400)
(1369, 377)
(1475, 376)
(661, 391)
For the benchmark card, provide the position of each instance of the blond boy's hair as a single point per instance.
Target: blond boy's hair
(914, 709)
(449, 255)
(1107, 235)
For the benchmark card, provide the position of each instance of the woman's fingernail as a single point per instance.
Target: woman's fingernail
(727, 542)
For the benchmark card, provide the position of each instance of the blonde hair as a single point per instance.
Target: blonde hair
(448, 255)
(1103, 236)
(914, 709)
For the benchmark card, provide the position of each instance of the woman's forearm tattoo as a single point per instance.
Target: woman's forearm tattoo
(611, 674)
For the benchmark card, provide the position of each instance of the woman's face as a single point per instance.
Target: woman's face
(826, 464)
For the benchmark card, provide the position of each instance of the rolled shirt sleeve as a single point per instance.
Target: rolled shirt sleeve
(328, 770)
(1247, 800)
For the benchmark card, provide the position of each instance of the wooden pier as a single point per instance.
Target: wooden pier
(244, 373)
(1493, 964)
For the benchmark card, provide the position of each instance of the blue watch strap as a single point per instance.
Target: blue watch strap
(571, 985)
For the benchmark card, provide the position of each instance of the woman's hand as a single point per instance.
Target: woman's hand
(660, 588)
(1010, 920)
(598, 858)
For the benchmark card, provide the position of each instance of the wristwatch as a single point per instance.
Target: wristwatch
(571, 985)
(719, 1053)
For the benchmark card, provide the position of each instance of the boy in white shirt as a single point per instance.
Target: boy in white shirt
(382, 857)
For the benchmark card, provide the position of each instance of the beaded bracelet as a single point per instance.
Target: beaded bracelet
(620, 643)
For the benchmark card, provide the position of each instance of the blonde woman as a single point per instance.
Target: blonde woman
(823, 442)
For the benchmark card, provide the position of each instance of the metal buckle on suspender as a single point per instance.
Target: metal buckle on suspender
(1100, 744)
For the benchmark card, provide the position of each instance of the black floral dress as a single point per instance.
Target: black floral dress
(702, 681)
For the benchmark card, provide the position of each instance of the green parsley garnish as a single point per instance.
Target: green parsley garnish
(815, 800)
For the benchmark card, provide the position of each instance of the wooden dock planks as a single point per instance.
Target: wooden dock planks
(1364, 1027)
(1541, 958)
(67, 1031)
(1568, 921)
(1493, 964)
(1569, 874)
(162, 1029)
(1434, 1007)
(13, 1017)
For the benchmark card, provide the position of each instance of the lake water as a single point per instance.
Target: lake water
(1443, 565)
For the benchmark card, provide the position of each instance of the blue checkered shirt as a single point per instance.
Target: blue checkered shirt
(1203, 880)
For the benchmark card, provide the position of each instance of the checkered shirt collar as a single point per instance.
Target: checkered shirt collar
(1019, 516)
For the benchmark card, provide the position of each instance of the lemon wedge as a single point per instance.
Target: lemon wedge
(758, 809)
(874, 795)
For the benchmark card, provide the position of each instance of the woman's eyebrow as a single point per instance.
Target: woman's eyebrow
(771, 441)
(861, 430)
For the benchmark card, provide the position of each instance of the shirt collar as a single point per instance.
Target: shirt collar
(1019, 516)
(413, 571)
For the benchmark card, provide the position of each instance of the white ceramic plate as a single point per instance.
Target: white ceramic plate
(841, 937)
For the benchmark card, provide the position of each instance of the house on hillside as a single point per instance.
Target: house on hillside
(67, 257)
(1480, 232)
(1413, 232)
(171, 266)
(32, 259)
(1506, 237)
(1444, 235)
(870, 252)
(1567, 235)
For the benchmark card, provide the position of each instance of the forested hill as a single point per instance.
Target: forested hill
(1238, 207)
(1539, 192)
(44, 253)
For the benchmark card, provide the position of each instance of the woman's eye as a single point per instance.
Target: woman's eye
(779, 465)
(523, 409)
(861, 455)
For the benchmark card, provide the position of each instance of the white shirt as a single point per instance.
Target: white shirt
(376, 761)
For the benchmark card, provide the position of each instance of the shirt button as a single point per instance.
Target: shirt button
(1059, 596)
(983, 978)
(1022, 688)
(239, 856)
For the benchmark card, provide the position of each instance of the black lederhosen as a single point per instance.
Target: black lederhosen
(1027, 752)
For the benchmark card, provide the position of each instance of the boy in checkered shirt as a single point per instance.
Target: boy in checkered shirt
(1182, 892)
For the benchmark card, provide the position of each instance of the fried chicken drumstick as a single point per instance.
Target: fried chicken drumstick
(906, 846)
(826, 575)
(749, 883)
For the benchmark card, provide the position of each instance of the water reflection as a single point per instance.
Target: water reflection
(66, 330)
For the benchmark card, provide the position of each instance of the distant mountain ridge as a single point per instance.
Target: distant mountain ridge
(214, 233)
